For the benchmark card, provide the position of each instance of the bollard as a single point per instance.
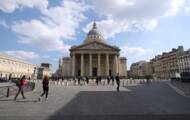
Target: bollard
(8, 92)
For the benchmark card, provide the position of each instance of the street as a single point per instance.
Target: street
(156, 100)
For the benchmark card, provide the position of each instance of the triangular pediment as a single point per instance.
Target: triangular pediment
(95, 46)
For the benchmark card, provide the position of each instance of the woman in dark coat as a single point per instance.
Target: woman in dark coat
(117, 78)
(45, 84)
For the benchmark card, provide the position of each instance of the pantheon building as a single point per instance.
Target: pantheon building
(94, 57)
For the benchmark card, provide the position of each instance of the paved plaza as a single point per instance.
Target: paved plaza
(155, 100)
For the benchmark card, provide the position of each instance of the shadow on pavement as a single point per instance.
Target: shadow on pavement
(112, 105)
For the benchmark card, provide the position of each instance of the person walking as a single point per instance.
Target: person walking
(21, 84)
(100, 79)
(97, 80)
(112, 78)
(108, 80)
(79, 78)
(87, 79)
(45, 84)
(75, 81)
(117, 78)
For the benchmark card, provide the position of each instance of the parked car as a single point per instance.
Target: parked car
(175, 77)
(185, 77)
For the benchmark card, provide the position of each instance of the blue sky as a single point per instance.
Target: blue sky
(43, 31)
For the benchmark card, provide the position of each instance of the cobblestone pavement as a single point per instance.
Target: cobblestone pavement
(145, 101)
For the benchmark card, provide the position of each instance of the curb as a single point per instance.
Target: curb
(180, 92)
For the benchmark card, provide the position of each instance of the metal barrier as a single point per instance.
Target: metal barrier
(123, 82)
(6, 86)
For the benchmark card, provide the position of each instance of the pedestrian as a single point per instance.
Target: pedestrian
(45, 85)
(108, 80)
(87, 79)
(79, 78)
(62, 78)
(21, 84)
(148, 79)
(74, 79)
(100, 79)
(82, 79)
(117, 81)
(112, 78)
(97, 80)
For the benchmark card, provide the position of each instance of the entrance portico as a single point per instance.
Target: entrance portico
(94, 63)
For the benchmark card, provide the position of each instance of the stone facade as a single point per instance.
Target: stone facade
(184, 62)
(168, 65)
(14, 68)
(136, 69)
(147, 69)
(44, 69)
(93, 58)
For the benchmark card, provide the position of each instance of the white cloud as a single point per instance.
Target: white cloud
(187, 9)
(134, 51)
(21, 54)
(10, 6)
(109, 28)
(3, 23)
(139, 9)
(66, 17)
(39, 34)
(132, 15)
(46, 56)
(58, 23)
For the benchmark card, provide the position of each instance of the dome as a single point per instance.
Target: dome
(94, 35)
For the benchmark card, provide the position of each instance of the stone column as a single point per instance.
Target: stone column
(73, 65)
(116, 64)
(107, 64)
(90, 64)
(82, 65)
(99, 65)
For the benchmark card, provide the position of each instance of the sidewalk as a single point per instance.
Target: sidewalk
(183, 86)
